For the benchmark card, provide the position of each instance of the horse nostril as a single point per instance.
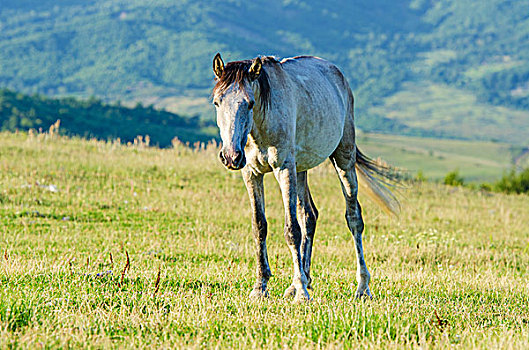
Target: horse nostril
(222, 158)
(238, 158)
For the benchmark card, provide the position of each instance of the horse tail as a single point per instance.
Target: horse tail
(376, 180)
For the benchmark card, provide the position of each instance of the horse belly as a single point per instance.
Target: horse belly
(317, 139)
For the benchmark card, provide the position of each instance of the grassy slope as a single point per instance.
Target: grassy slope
(476, 161)
(181, 212)
(453, 112)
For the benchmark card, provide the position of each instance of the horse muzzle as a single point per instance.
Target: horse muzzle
(234, 160)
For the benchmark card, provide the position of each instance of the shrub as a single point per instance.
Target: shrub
(420, 177)
(454, 179)
(513, 182)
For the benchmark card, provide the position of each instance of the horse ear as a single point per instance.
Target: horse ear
(255, 69)
(218, 65)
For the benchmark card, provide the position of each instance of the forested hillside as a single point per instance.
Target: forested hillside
(160, 52)
(92, 118)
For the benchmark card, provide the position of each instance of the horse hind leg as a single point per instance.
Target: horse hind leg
(343, 162)
(307, 215)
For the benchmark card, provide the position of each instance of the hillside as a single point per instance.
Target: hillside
(92, 118)
(450, 272)
(160, 52)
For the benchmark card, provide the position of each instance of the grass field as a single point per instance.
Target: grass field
(450, 271)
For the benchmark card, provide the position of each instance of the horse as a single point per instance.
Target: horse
(286, 117)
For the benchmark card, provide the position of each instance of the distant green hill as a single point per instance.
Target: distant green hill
(92, 118)
(160, 52)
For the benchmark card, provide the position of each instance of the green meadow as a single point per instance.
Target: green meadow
(106, 245)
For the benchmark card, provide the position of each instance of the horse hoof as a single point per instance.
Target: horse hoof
(363, 293)
(258, 293)
(302, 296)
(290, 292)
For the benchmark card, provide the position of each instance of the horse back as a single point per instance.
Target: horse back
(324, 104)
(314, 75)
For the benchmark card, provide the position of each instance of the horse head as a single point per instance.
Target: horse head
(234, 100)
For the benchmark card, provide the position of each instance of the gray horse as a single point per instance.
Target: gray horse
(287, 117)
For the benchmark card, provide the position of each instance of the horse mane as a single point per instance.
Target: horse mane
(236, 72)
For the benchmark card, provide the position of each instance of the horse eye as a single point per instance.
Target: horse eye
(250, 105)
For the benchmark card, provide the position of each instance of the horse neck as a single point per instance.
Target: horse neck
(258, 115)
(280, 89)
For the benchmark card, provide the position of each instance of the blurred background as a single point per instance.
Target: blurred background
(441, 86)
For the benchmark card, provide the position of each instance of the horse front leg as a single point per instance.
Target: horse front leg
(286, 176)
(254, 185)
